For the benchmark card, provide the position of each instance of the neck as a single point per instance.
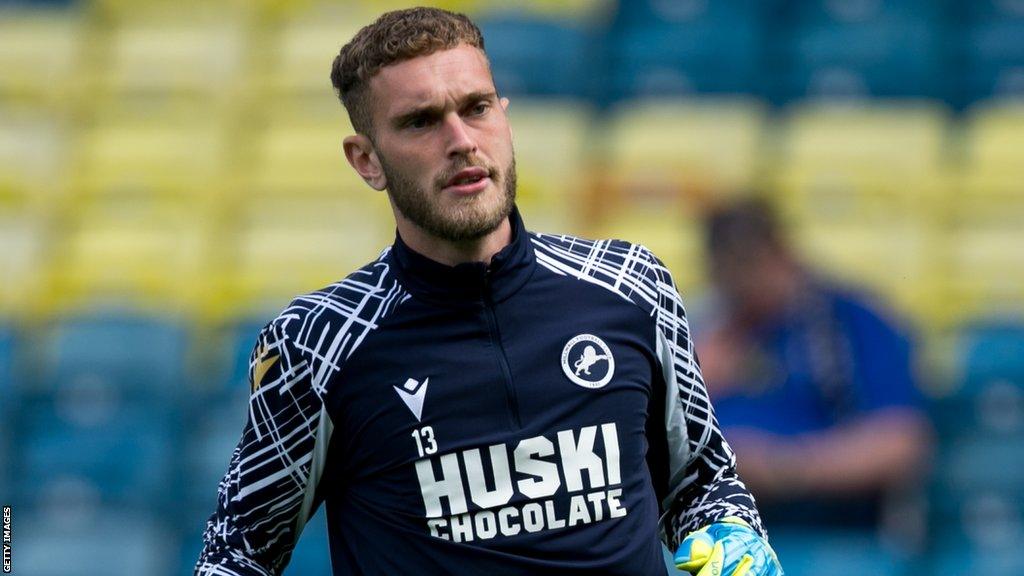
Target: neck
(450, 252)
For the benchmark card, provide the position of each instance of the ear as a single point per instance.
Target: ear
(504, 103)
(361, 155)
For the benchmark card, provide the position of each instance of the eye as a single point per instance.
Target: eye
(480, 108)
(418, 122)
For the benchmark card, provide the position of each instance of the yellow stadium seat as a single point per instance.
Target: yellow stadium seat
(700, 149)
(984, 273)
(301, 154)
(551, 143)
(995, 141)
(281, 247)
(135, 254)
(898, 261)
(162, 156)
(304, 49)
(23, 236)
(881, 164)
(176, 56)
(41, 55)
(34, 156)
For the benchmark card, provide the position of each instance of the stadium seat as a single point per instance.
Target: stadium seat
(284, 247)
(862, 49)
(214, 428)
(810, 553)
(23, 236)
(538, 56)
(34, 157)
(896, 150)
(896, 261)
(133, 157)
(992, 52)
(172, 54)
(977, 532)
(135, 357)
(552, 139)
(41, 55)
(296, 154)
(984, 275)
(699, 149)
(148, 254)
(94, 440)
(994, 150)
(306, 44)
(992, 355)
(110, 542)
(658, 48)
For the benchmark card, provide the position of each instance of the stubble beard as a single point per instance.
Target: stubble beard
(469, 219)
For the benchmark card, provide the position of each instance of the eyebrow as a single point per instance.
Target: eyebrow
(436, 110)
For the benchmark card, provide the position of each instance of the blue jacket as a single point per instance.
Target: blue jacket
(544, 414)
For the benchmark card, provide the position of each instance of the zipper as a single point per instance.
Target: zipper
(495, 333)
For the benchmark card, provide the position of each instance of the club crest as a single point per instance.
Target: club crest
(587, 361)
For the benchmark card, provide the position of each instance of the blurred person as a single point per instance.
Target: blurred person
(812, 384)
(480, 399)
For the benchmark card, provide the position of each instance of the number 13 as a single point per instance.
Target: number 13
(425, 442)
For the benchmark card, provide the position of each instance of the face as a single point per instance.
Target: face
(442, 146)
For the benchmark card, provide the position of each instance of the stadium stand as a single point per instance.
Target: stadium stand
(171, 175)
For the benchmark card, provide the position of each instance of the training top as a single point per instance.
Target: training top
(543, 414)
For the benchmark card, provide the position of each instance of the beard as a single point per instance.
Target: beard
(469, 218)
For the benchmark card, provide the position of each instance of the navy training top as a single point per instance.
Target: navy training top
(544, 414)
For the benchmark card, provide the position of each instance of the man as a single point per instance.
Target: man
(813, 385)
(479, 399)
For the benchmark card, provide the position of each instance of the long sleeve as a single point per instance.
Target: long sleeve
(269, 491)
(702, 485)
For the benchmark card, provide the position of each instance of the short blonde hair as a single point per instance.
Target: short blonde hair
(395, 36)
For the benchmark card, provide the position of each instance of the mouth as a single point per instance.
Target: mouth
(468, 181)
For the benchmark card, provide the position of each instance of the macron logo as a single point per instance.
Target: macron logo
(412, 393)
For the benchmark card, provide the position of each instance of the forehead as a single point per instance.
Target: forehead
(431, 79)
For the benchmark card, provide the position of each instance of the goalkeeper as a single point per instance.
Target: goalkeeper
(480, 399)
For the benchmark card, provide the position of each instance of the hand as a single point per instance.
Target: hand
(728, 547)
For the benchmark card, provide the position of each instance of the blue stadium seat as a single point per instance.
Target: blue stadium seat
(977, 533)
(667, 49)
(113, 543)
(538, 57)
(6, 360)
(994, 59)
(88, 439)
(862, 49)
(137, 356)
(988, 402)
(214, 430)
(835, 553)
(993, 353)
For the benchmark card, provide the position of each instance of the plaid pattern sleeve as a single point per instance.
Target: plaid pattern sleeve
(270, 488)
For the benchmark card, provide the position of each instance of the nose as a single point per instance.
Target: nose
(460, 141)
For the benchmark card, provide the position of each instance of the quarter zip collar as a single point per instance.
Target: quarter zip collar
(470, 283)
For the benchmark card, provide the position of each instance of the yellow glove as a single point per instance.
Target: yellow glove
(728, 547)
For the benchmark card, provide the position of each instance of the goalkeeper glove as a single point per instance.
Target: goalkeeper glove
(728, 547)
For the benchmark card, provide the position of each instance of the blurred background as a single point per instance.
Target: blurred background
(171, 174)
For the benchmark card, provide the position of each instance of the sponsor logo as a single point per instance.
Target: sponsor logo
(412, 393)
(535, 484)
(587, 361)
